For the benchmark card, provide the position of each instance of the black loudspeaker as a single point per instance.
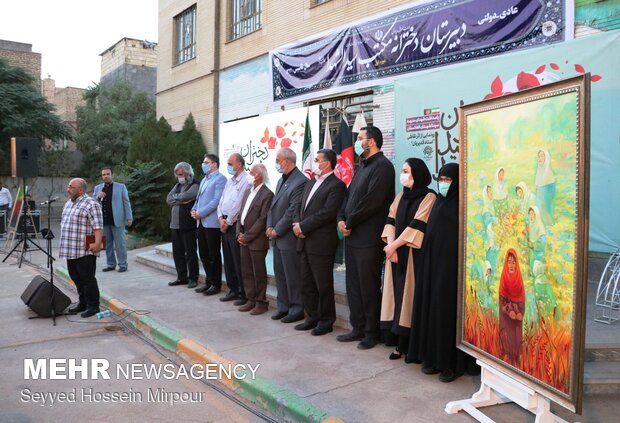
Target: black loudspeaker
(24, 157)
(38, 296)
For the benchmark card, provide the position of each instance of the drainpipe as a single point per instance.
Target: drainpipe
(216, 77)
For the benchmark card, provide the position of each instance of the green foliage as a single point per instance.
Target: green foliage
(189, 146)
(152, 154)
(24, 112)
(111, 117)
(147, 185)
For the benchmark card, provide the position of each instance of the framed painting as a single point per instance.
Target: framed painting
(524, 236)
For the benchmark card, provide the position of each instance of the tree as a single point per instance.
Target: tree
(24, 112)
(152, 154)
(108, 121)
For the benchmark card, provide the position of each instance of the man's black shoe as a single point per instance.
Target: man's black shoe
(279, 315)
(307, 325)
(290, 318)
(177, 282)
(90, 312)
(212, 290)
(122, 269)
(192, 284)
(108, 269)
(77, 308)
(350, 337)
(202, 288)
(367, 343)
(318, 331)
(241, 301)
(230, 296)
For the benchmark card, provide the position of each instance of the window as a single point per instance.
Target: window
(317, 2)
(244, 17)
(185, 34)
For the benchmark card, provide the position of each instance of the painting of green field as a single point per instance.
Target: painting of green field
(521, 195)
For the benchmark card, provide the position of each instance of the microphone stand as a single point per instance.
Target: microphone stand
(49, 235)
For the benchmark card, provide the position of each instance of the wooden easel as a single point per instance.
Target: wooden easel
(499, 388)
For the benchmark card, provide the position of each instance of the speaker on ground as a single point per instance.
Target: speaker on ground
(38, 296)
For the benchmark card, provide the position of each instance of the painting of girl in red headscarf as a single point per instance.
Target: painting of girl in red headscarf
(511, 308)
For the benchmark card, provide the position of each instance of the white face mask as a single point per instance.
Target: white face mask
(316, 168)
(181, 179)
(250, 179)
(406, 180)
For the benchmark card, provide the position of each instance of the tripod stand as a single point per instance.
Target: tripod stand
(23, 239)
(49, 236)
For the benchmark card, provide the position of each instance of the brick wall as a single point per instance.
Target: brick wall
(21, 54)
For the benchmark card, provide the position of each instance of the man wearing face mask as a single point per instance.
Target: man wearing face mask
(253, 241)
(228, 212)
(318, 242)
(360, 220)
(181, 200)
(207, 223)
(284, 207)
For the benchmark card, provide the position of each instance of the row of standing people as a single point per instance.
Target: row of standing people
(245, 216)
(418, 239)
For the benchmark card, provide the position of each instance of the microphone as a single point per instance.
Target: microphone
(49, 201)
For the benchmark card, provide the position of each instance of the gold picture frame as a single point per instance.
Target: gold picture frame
(523, 236)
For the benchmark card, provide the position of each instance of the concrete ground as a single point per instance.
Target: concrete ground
(344, 382)
(22, 338)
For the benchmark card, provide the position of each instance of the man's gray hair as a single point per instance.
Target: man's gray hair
(261, 169)
(186, 168)
(288, 154)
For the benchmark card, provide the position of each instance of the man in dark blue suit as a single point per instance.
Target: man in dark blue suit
(317, 243)
(284, 208)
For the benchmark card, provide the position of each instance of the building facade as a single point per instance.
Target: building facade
(21, 54)
(133, 61)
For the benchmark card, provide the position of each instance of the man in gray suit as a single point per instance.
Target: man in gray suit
(284, 207)
(114, 200)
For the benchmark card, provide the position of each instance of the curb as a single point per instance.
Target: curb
(262, 392)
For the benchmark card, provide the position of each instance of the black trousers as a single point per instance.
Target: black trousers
(82, 272)
(184, 254)
(209, 246)
(232, 261)
(363, 280)
(317, 286)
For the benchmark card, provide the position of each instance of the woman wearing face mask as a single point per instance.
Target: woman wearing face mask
(403, 233)
(433, 326)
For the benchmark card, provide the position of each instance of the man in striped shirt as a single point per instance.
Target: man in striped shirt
(81, 216)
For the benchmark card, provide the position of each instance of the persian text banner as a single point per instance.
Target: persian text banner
(419, 37)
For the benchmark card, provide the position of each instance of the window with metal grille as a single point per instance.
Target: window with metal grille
(185, 35)
(244, 17)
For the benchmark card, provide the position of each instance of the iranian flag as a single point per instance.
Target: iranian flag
(307, 155)
(344, 149)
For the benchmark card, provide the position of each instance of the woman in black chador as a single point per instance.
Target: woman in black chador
(433, 327)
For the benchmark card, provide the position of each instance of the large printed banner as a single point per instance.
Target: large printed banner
(258, 139)
(428, 35)
(427, 125)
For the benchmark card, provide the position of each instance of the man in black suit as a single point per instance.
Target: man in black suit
(361, 220)
(317, 243)
(284, 208)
